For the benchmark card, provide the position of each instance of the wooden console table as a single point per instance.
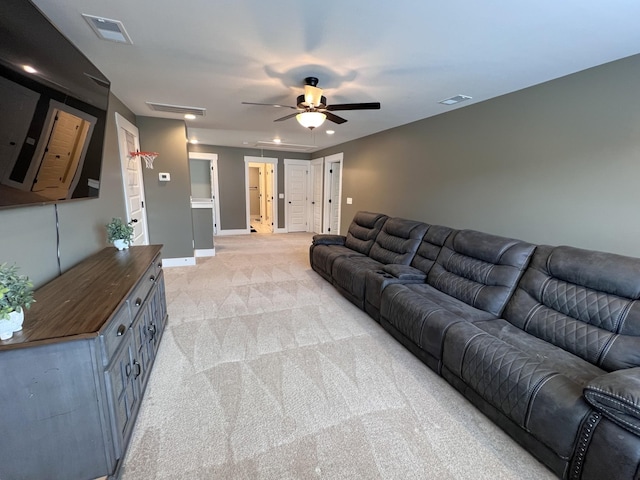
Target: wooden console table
(72, 380)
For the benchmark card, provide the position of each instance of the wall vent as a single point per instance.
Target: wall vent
(181, 109)
(454, 100)
(107, 29)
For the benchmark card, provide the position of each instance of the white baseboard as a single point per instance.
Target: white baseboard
(280, 230)
(205, 252)
(239, 231)
(179, 262)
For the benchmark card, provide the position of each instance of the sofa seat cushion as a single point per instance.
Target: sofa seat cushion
(423, 314)
(349, 275)
(323, 256)
(536, 385)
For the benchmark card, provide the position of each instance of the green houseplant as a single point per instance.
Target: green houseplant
(16, 295)
(119, 233)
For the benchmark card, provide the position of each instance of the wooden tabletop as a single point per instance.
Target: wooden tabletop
(77, 304)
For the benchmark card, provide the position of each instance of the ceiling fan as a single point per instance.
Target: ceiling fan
(312, 108)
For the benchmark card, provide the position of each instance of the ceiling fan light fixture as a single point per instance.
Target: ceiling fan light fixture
(311, 120)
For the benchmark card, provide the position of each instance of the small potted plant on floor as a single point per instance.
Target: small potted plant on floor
(119, 233)
(15, 295)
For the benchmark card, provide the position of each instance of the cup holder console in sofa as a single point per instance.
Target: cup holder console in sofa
(544, 340)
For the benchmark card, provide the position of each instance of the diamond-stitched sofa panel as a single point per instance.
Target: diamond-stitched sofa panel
(396, 244)
(424, 258)
(522, 380)
(362, 233)
(583, 302)
(470, 280)
(480, 269)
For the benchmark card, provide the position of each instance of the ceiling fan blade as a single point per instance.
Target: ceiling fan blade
(334, 118)
(269, 105)
(285, 118)
(354, 106)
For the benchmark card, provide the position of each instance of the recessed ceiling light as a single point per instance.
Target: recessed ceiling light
(330, 132)
(29, 69)
(454, 100)
(190, 116)
(193, 141)
(277, 140)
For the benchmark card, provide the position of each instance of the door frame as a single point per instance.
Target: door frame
(330, 162)
(213, 159)
(124, 124)
(301, 163)
(274, 213)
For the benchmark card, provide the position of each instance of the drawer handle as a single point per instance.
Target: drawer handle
(138, 369)
(121, 330)
(138, 302)
(152, 278)
(159, 264)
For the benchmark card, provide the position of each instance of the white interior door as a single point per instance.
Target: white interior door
(296, 172)
(332, 193)
(128, 141)
(317, 166)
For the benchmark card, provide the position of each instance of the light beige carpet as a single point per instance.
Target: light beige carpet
(266, 372)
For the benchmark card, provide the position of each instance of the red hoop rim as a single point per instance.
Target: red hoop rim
(143, 154)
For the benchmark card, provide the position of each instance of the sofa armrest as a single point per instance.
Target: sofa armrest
(405, 272)
(617, 396)
(323, 239)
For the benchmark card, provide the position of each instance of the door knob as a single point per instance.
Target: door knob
(134, 220)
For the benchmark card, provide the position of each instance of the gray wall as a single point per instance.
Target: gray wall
(557, 163)
(231, 184)
(168, 203)
(28, 234)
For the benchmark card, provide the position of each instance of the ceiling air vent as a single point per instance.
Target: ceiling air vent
(454, 100)
(181, 109)
(106, 29)
(292, 147)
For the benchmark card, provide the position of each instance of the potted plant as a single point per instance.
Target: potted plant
(119, 233)
(15, 295)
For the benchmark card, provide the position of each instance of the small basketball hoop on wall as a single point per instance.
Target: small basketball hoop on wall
(148, 157)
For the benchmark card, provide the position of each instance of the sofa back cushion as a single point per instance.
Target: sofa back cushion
(363, 231)
(398, 241)
(430, 247)
(479, 269)
(582, 301)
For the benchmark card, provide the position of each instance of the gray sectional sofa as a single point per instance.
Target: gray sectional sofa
(544, 340)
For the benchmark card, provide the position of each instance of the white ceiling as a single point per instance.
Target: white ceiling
(406, 54)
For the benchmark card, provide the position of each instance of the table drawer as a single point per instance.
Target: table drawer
(114, 333)
(139, 295)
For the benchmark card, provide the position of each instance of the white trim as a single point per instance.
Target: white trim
(280, 230)
(273, 161)
(314, 162)
(178, 262)
(213, 158)
(205, 252)
(239, 231)
(328, 164)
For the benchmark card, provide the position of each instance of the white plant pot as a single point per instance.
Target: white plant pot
(6, 329)
(121, 244)
(16, 319)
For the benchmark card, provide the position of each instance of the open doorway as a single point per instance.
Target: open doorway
(260, 181)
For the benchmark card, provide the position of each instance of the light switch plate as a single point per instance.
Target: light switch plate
(349, 200)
